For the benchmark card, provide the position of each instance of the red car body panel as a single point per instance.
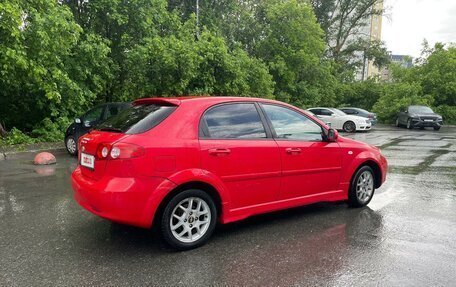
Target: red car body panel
(249, 176)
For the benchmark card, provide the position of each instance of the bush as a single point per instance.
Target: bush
(448, 113)
(16, 137)
(396, 97)
(48, 131)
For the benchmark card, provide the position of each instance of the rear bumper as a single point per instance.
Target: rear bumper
(123, 200)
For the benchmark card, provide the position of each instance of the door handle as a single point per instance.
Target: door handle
(292, 150)
(219, 151)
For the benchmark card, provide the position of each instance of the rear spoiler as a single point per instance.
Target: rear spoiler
(159, 101)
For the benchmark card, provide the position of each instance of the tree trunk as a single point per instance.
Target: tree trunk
(2, 131)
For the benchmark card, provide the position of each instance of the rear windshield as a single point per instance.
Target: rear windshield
(137, 119)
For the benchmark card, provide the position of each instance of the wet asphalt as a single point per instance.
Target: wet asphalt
(405, 237)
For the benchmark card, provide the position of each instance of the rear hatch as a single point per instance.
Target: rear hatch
(89, 144)
(144, 115)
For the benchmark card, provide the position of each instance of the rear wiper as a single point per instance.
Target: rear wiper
(110, 129)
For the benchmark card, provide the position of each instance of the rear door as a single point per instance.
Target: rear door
(310, 165)
(237, 147)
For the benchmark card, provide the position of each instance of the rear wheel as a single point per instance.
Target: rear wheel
(362, 187)
(71, 146)
(349, 127)
(188, 219)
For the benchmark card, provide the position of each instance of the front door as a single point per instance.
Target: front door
(236, 147)
(310, 165)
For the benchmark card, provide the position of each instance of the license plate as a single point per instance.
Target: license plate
(87, 160)
(428, 120)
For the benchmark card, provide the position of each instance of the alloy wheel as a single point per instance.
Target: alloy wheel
(71, 145)
(190, 219)
(365, 186)
(350, 127)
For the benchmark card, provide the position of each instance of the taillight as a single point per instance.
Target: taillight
(119, 151)
(103, 150)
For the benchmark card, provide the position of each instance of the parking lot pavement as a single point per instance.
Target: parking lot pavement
(405, 237)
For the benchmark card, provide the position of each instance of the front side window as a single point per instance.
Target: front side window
(234, 121)
(291, 125)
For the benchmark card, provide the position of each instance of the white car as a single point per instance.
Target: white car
(340, 120)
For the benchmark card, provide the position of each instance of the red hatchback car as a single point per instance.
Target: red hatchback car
(186, 163)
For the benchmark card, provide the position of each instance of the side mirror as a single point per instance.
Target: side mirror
(332, 135)
(77, 120)
(87, 124)
(333, 115)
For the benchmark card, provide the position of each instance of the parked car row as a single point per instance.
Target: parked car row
(347, 119)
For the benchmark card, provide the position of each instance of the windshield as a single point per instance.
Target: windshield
(338, 112)
(137, 119)
(420, 110)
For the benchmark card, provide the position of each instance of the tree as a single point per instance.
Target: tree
(293, 47)
(179, 65)
(40, 43)
(344, 22)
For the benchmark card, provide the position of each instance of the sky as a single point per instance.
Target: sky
(408, 22)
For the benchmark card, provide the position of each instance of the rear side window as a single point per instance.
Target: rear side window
(233, 121)
(137, 119)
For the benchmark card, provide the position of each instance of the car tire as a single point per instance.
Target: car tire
(349, 127)
(362, 187)
(436, 128)
(183, 225)
(409, 124)
(71, 145)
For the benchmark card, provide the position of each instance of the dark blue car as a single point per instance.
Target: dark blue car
(90, 119)
(361, 113)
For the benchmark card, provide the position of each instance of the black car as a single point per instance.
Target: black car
(90, 119)
(419, 117)
(361, 113)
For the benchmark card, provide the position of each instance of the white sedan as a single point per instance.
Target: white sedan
(340, 120)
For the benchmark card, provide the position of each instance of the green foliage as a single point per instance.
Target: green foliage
(16, 137)
(361, 94)
(48, 131)
(448, 113)
(396, 97)
(59, 58)
(293, 48)
(49, 67)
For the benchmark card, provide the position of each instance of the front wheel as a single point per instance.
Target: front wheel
(362, 187)
(436, 128)
(409, 124)
(188, 219)
(349, 127)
